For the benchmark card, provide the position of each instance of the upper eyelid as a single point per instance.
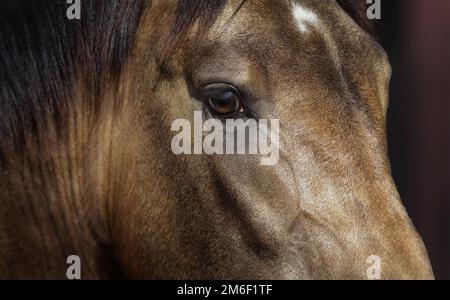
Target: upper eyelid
(221, 85)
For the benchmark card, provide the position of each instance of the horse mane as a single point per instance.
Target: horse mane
(41, 54)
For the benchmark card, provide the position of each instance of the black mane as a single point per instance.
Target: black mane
(41, 51)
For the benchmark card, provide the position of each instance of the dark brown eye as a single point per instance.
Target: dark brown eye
(225, 103)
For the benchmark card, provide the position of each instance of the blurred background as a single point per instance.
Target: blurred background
(416, 35)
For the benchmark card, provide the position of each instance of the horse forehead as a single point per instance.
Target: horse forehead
(304, 16)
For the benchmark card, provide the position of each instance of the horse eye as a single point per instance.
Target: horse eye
(225, 104)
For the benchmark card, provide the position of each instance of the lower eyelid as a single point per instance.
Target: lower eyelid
(209, 115)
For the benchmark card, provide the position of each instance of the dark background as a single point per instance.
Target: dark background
(416, 35)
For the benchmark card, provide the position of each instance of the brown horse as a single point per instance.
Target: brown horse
(86, 166)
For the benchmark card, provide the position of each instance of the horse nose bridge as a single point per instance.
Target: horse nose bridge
(408, 258)
(393, 236)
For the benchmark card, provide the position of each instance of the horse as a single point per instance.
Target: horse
(86, 167)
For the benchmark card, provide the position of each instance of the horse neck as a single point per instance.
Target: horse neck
(54, 193)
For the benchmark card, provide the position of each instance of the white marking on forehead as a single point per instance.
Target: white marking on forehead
(304, 17)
